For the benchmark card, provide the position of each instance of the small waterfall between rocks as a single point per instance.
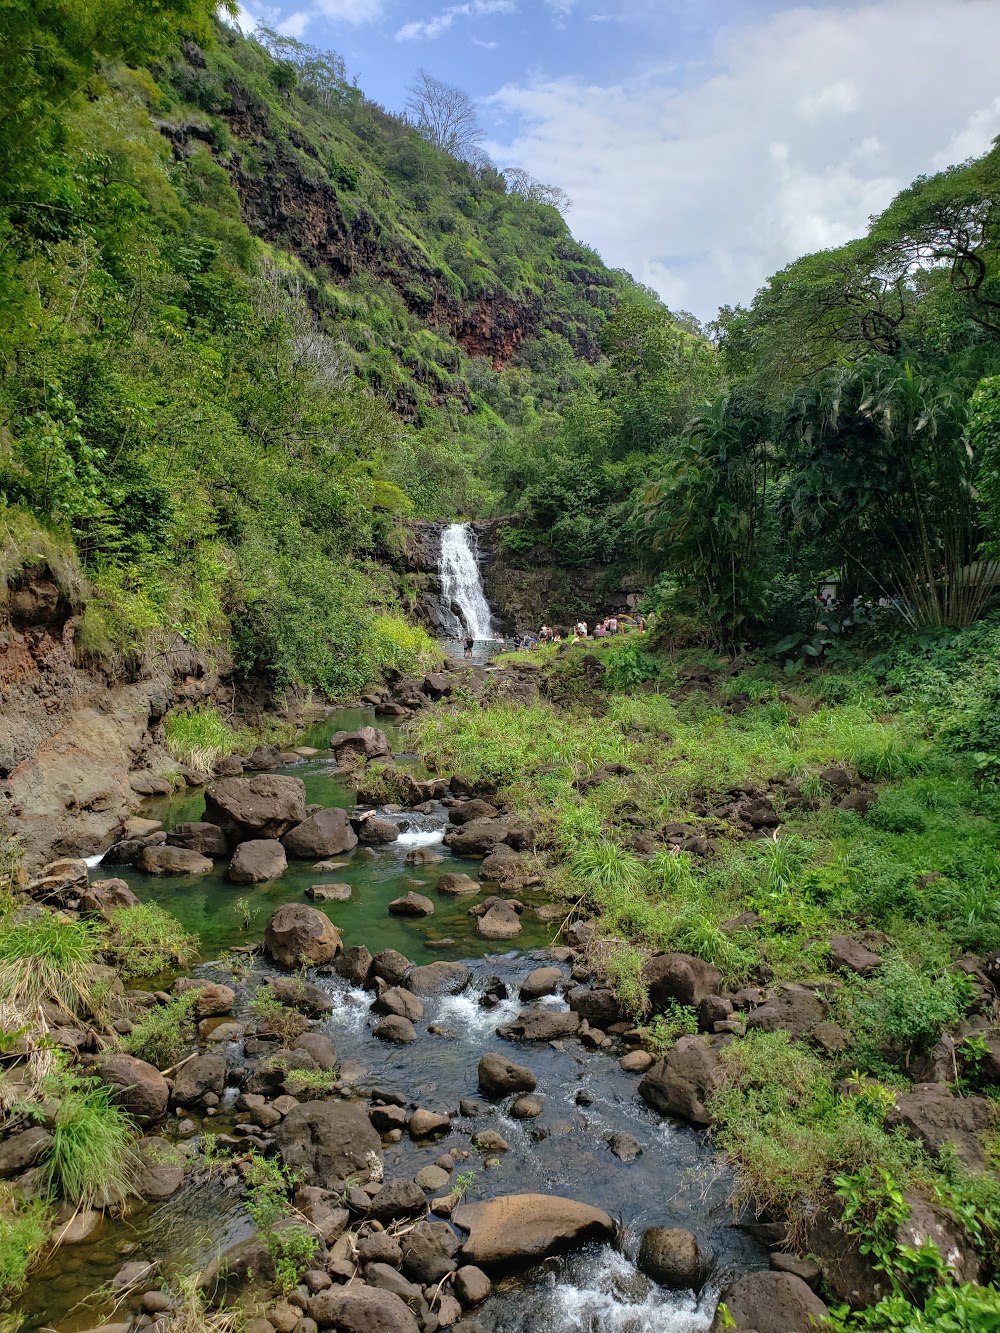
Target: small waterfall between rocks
(463, 600)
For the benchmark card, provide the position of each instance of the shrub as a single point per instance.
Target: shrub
(144, 940)
(164, 1033)
(897, 812)
(199, 737)
(23, 1232)
(291, 1247)
(902, 1011)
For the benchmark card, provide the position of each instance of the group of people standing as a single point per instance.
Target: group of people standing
(607, 628)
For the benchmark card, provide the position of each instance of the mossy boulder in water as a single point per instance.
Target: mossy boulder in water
(326, 833)
(299, 936)
(265, 806)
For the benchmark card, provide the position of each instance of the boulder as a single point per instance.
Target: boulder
(935, 1116)
(848, 955)
(672, 1257)
(499, 922)
(471, 1285)
(362, 1309)
(329, 893)
(397, 1198)
(328, 1142)
(428, 1251)
(542, 981)
(438, 979)
(520, 1230)
(263, 759)
(265, 806)
(476, 838)
(636, 1062)
(423, 856)
(540, 1024)
(326, 833)
(248, 1261)
(206, 839)
(626, 1147)
(795, 1011)
(507, 870)
(196, 1077)
(679, 978)
(105, 896)
(424, 1123)
(769, 1302)
(213, 999)
(354, 964)
(319, 1047)
(598, 1006)
(500, 1077)
(457, 885)
(396, 1000)
(299, 994)
(23, 1150)
(366, 743)
(467, 811)
(165, 860)
(397, 1029)
(411, 904)
(299, 936)
(257, 861)
(139, 1088)
(390, 965)
(681, 1083)
(159, 1176)
(374, 831)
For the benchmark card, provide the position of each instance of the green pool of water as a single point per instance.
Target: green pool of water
(216, 910)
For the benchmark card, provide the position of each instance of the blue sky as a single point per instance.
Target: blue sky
(705, 143)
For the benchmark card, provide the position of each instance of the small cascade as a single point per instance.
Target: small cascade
(462, 597)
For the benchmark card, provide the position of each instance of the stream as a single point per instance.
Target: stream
(587, 1097)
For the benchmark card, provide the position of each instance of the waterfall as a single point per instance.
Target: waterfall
(463, 600)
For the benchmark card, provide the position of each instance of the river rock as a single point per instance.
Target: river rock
(397, 1198)
(375, 831)
(423, 1123)
(354, 964)
(471, 1285)
(104, 896)
(500, 1077)
(362, 1309)
(467, 811)
(138, 1087)
(432, 1178)
(935, 1116)
(769, 1302)
(329, 1142)
(476, 838)
(299, 936)
(540, 1024)
(848, 955)
(319, 1046)
(23, 1150)
(300, 994)
(366, 743)
(795, 1011)
(626, 1147)
(265, 806)
(395, 1028)
(423, 856)
(671, 1256)
(428, 1251)
(326, 833)
(213, 999)
(636, 1062)
(457, 885)
(387, 1118)
(411, 904)
(679, 978)
(520, 1230)
(598, 1005)
(526, 1108)
(245, 1262)
(390, 965)
(329, 893)
(165, 860)
(206, 839)
(195, 1078)
(160, 1176)
(542, 981)
(257, 861)
(507, 870)
(681, 1083)
(438, 979)
(499, 922)
(396, 1000)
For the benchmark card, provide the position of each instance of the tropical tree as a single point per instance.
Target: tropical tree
(446, 117)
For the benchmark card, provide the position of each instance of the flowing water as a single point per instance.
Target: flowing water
(462, 595)
(586, 1098)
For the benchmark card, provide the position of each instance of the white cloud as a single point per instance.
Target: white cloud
(433, 27)
(357, 12)
(295, 24)
(799, 127)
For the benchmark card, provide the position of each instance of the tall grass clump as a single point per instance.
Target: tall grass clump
(46, 960)
(145, 940)
(92, 1156)
(199, 737)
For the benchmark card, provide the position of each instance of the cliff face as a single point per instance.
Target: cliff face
(78, 748)
(524, 590)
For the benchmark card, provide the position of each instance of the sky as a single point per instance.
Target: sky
(704, 143)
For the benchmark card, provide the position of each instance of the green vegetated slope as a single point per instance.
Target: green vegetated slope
(248, 320)
(832, 840)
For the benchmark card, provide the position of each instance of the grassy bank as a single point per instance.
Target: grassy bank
(655, 851)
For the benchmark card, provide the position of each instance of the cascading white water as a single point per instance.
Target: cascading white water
(462, 585)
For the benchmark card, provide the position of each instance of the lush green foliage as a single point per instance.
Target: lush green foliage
(145, 940)
(165, 1032)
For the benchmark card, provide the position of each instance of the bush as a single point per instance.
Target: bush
(145, 940)
(164, 1033)
(24, 1231)
(902, 1011)
(897, 812)
(199, 737)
